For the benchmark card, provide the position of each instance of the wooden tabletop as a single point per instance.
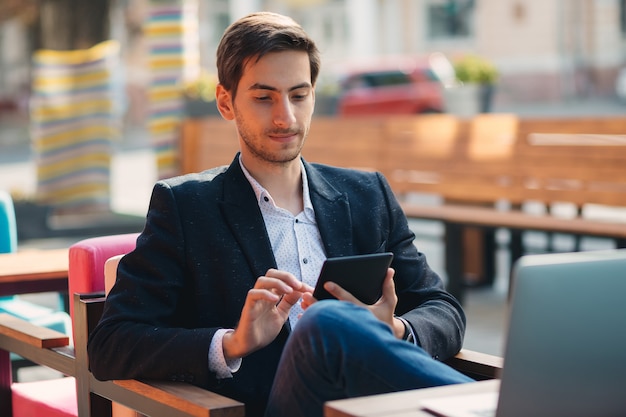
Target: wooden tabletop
(402, 404)
(34, 270)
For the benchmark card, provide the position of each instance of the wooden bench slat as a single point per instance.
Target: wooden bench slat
(488, 217)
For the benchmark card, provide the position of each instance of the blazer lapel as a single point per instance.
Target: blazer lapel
(241, 212)
(332, 212)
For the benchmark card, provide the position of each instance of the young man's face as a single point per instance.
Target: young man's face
(273, 106)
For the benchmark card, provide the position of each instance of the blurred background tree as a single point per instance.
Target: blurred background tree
(71, 24)
(61, 24)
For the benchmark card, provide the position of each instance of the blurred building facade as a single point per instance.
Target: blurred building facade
(545, 50)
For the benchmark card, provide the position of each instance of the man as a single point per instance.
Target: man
(228, 258)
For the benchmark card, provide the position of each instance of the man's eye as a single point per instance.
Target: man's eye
(262, 98)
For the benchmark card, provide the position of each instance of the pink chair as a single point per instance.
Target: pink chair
(57, 397)
(87, 259)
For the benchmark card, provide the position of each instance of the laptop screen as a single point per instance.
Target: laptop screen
(565, 353)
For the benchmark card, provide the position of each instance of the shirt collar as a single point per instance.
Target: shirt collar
(261, 192)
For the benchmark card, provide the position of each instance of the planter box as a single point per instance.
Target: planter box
(469, 100)
(200, 108)
(462, 100)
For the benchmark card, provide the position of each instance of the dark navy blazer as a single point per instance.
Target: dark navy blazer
(202, 248)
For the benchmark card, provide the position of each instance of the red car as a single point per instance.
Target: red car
(407, 87)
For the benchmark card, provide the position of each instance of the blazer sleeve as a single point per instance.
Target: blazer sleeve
(141, 332)
(436, 316)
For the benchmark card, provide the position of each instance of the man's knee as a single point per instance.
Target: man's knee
(333, 316)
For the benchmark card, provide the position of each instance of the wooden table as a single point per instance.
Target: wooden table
(402, 404)
(34, 270)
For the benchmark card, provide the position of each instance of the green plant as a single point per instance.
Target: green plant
(201, 88)
(474, 69)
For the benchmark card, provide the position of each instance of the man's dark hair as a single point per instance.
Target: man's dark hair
(256, 35)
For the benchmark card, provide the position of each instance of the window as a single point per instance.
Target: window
(450, 19)
(376, 80)
(389, 78)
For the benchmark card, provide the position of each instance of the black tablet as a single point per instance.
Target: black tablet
(361, 275)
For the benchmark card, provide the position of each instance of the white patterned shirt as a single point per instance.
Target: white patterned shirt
(297, 247)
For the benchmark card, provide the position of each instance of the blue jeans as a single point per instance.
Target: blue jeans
(339, 350)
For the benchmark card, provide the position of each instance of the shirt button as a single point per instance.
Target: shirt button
(297, 221)
(266, 199)
(305, 260)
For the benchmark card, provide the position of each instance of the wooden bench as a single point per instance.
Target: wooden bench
(498, 165)
(483, 171)
(344, 143)
(458, 161)
(206, 143)
(209, 142)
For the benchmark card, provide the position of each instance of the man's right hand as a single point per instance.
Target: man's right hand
(264, 313)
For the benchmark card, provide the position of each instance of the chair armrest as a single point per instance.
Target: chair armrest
(40, 345)
(476, 365)
(31, 334)
(147, 397)
(174, 399)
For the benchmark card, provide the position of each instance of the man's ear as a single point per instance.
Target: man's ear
(223, 100)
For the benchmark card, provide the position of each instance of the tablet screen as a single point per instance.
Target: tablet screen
(361, 275)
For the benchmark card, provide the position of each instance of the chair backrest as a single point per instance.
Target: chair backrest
(110, 272)
(8, 228)
(87, 260)
(110, 275)
(91, 262)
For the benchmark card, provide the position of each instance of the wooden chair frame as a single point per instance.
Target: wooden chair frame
(146, 397)
(50, 348)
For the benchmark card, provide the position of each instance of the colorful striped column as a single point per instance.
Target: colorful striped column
(172, 37)
(74, 117)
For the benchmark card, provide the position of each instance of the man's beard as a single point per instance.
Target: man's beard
(256, 146)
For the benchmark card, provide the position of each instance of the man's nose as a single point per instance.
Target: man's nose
(284, 113)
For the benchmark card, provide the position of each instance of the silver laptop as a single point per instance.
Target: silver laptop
(565, 351)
